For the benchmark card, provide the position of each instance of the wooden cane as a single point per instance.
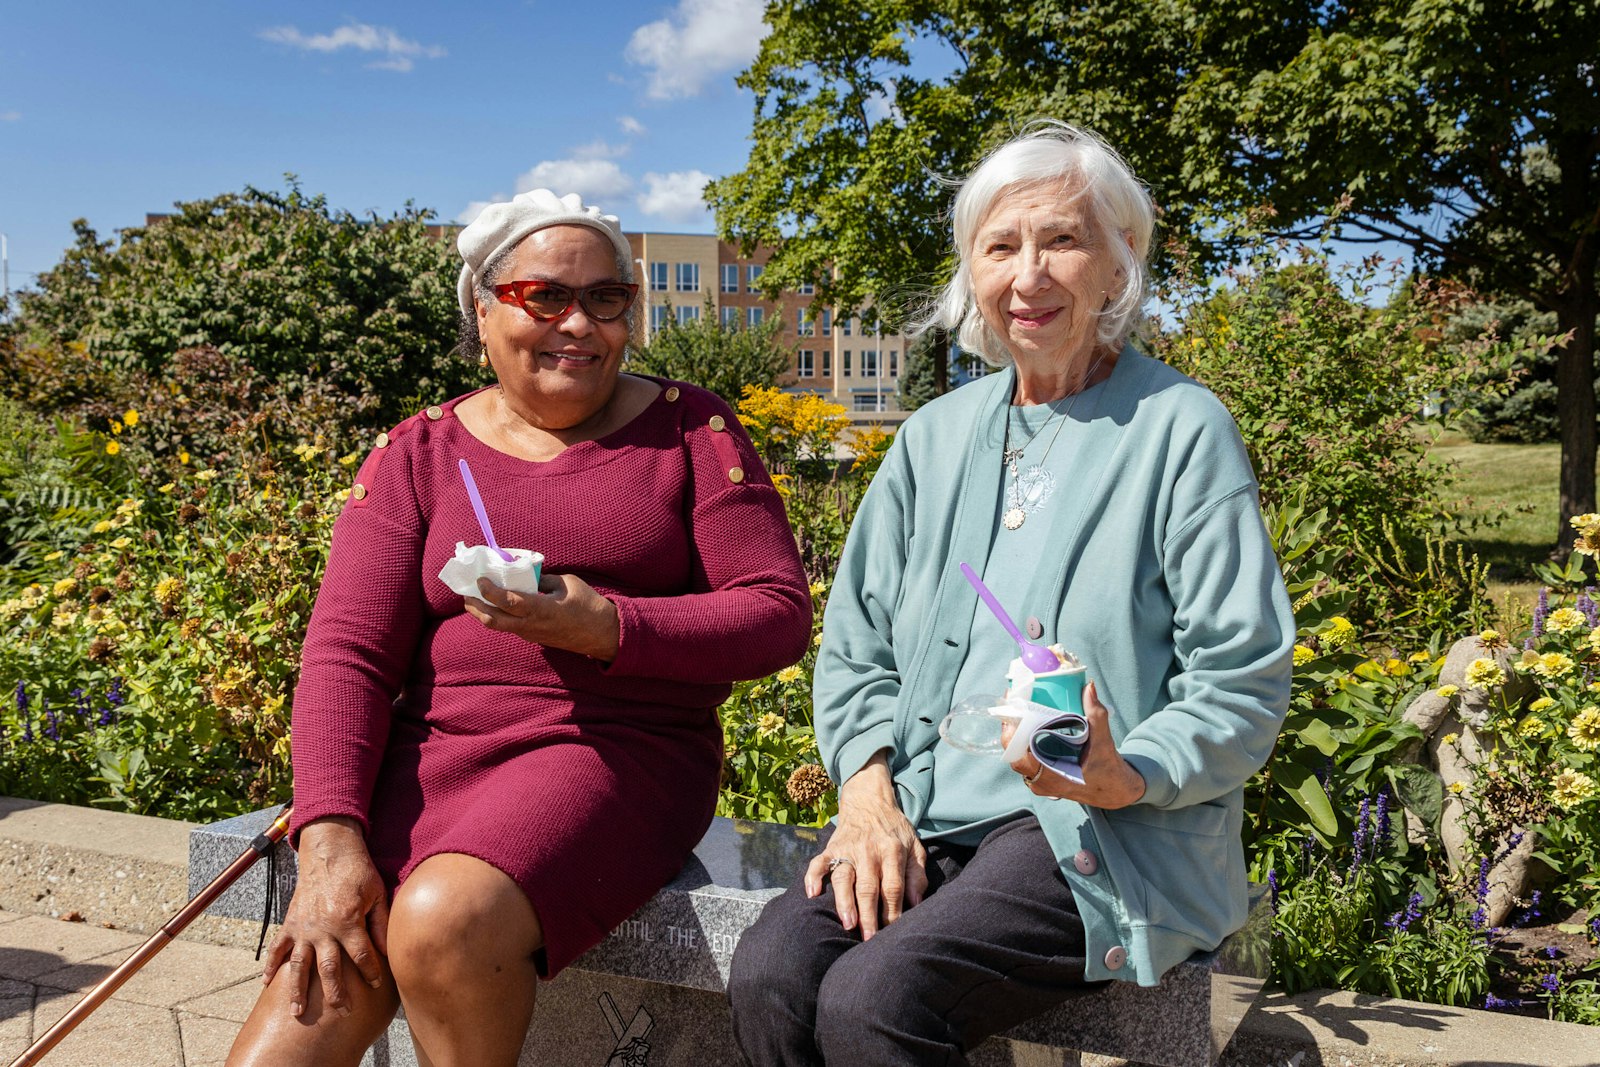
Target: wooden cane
(263, 844)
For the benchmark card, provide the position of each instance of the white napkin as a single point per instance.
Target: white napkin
(1032, 720)
(462, 572)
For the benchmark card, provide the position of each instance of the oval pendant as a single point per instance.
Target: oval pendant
(1013, 518)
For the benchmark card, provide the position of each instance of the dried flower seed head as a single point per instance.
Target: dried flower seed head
(169, 590)
(99, 595)
(808, 784)
(83, 568)
(123, 581)
(150, 537)
(102, 650)
(189, 514)
(190, 628)
(307, 510)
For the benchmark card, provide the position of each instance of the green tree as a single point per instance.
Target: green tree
(718, 357)
(295, 291)
(919, 384)
(1468, 131)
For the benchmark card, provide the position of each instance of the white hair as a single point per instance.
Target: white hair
(1119, 205)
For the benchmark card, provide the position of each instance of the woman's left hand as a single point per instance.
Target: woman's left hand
(1109, 781)
(568, 613)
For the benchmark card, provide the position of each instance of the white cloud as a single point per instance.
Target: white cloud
(600, 148)
(596, 180)
(700, 40)
(474, 209)
(397, 53)
(10, 116)
(631, 126)
(676, 197)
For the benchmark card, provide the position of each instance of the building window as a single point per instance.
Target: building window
(803, 362)
(688, 277)
(658, 317)
(658, 277)
(869, 362)
(827, 322)
(868, 402)
(754, 316)
(730, 317)
(806, 289)
(730, 277)
(687, 314)
(844, 324)
(751, 273)
(802, 323)
(827, 363)
(844, 364)
(894, 363)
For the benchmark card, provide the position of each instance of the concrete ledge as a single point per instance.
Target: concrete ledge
(110, 867)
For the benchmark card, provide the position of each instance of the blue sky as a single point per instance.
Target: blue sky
(109, 111)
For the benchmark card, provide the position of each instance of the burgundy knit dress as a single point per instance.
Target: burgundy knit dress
(587, 783)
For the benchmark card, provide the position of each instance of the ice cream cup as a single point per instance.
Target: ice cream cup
(1061, 689)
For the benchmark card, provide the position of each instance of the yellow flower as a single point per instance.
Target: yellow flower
(112, 448)
(1448, 691)
(789, 674)
(818, 588)
(102, 526)
(122, 542)
(51, 557)
(1565, 620)
(169, 589)
(1585, 729)
(63, 617)
(1458, 787)
(1571, 788)
(1392, 666)
(1339, 633)
(130, 417)
(129, 506)
(342, 495)
(1418, 657)
(1302, 654)
(64, 588)
(348, 460)
(1450, 739)
(1542, 704)
(817, 640)
(307, 453)
(1531, 727)
(206, 475)
(1588, 527)
(1491, 639)
(769, 723)
(1485, 674)
(1553, 665)
(167, 489)
(183, 457)
(116, 426)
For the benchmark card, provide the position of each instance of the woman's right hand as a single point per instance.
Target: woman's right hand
(340, 904)
(881, 862)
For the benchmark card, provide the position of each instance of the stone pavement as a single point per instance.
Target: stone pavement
(181, 1010)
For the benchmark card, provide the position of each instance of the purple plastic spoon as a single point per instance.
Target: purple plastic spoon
(1036, 658)
(483, 516)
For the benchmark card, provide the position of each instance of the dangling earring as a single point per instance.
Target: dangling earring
(483, 357)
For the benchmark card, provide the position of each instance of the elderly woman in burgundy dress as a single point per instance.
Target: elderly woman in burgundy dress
(485, 786)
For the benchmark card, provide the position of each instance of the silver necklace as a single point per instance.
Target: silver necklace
(1029, 489)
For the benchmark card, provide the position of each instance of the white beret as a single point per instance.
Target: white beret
(501, 226)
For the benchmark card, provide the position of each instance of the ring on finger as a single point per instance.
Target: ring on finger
(1034, 777)
(837, 861)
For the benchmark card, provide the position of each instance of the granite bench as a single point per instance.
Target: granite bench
(661, 975)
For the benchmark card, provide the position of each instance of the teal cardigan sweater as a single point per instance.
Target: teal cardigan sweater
(1162, 579)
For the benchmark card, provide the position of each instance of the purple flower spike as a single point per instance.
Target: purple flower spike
(1551, 983)
(1272, 887)
(52, 725)
(1359, 838)
(22, 700)
(1383, 821)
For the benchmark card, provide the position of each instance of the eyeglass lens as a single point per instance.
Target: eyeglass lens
(547, 300)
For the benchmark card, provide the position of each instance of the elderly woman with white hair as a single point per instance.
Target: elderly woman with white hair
(1109, 502)
(484, 786)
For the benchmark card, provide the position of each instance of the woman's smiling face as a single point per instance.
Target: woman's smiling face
(561, 372)
(1041, 273)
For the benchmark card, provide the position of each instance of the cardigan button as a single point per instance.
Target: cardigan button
(435, 413)
(718, 423)
(1035, 627)
(1086, 862)
(1115, 958)
(672, 393)
(735, 475)
(359, 492)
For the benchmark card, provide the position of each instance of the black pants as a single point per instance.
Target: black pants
(997, 940)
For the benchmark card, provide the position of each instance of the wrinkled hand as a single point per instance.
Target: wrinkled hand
(887, 865)
(339, 904)
(568, 613)
(1109, 781)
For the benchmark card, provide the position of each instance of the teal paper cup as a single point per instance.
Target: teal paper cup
(1062, 691)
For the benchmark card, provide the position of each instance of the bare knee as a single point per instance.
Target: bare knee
(457, 916)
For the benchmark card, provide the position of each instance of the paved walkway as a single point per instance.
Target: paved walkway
(181, 1010)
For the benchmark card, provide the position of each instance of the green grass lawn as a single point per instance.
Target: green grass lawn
(1517, 484)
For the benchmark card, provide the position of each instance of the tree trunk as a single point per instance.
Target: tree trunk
(1575, 404)
(941, 360)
